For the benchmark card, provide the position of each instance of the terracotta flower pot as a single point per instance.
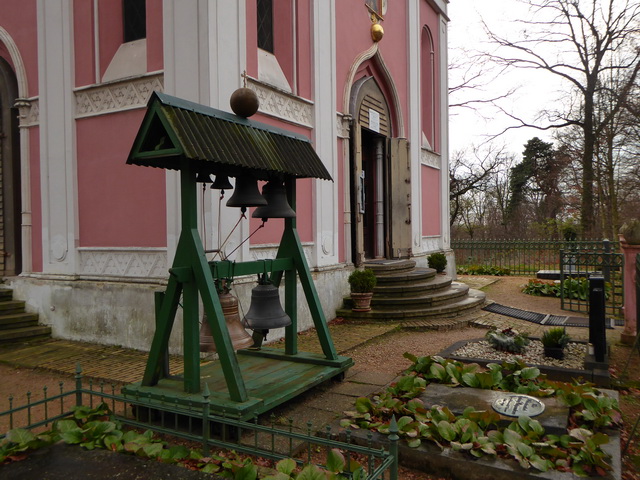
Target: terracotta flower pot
(361, 301)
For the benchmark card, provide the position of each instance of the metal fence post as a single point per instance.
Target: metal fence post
(597, 334)
(78, 378)
(393, 448)
(205, 420)
(606, 260)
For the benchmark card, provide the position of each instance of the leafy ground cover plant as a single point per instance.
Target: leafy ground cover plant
(478, 433)
(577, 288)
(483, 270)
(507, 340)
(92, 428)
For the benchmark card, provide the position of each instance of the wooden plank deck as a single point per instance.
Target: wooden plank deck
(269, 383)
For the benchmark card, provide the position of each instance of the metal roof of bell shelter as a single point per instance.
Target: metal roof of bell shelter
(175, 130)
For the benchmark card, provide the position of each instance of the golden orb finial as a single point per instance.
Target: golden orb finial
(377, 32)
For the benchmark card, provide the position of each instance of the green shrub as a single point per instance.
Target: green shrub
(556, 337)
(362, 281)
(437, 261)
(483, 270)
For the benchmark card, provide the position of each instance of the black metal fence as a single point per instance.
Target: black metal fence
(522, 257)
(268, 439)
(576, 266)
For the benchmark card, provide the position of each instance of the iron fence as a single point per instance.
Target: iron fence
(269, 437)
(521, 257)
(576, 266)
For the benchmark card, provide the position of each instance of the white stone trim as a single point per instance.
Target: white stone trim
(116, 96)
(29, 111)
(149, 263)
(283, 105)
(431, 244)
(430, 159)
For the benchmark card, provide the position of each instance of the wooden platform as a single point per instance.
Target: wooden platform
(271, 378)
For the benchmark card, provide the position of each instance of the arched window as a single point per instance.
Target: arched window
(429, 102)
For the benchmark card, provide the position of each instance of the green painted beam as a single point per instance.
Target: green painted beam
(227, 269)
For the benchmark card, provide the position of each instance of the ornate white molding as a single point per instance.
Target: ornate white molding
(29, 111)
(344, 125)
(125, 262)
(281, 104)
(269, 251)
(117, 96)
(430, 159)
(431, 244)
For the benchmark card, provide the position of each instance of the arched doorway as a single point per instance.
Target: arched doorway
(10, 204)
(379, 178)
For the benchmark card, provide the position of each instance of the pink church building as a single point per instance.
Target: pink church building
(87, 239)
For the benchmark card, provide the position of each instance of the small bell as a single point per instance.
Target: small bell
(277, 204)
(203, 178)
(221, 183)
(246, 194)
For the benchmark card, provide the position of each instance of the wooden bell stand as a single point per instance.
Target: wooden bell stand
(247, 382)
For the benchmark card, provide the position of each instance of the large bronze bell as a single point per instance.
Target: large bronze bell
(240, 338)
(265, 311)
(277, 205)
(246, 194)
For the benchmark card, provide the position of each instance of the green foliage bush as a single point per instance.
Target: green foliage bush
(483, 270)
(556, 337)
(507, 340)
(438, 261)
(479, 433)
(576, 288)
(362, 281)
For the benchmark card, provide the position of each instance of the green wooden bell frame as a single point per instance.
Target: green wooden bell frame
(195, 139)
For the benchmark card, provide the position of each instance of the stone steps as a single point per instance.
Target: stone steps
(16, 325)
(414, 296)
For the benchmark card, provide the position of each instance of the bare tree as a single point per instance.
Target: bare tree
(580, 42)
(472, 172)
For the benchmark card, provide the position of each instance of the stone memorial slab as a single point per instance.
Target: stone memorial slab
(553, 417)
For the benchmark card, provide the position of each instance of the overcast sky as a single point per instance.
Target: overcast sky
(535, 90)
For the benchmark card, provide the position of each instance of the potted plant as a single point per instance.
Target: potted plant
(507, 340)
(554, 340)
(437, 261)
(362, 283)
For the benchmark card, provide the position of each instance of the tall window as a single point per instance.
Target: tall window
(265, 25)
(135, 19)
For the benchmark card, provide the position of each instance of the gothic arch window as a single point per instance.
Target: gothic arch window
(429, 102)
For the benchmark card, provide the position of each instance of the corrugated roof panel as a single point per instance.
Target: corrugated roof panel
(221, 141)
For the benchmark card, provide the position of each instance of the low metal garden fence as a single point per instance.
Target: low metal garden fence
(575, 268)
(265, 437)
(521, 257)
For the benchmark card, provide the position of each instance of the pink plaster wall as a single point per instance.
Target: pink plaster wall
(430, 178)
(431, 112)
(252, 39)
(304, 36)
(155, 58)
(353, 27)
(289, 22)
(272, 232)
(19, 19)
(36, 200)
(119, 205)
(84, 43)
(111, 31)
